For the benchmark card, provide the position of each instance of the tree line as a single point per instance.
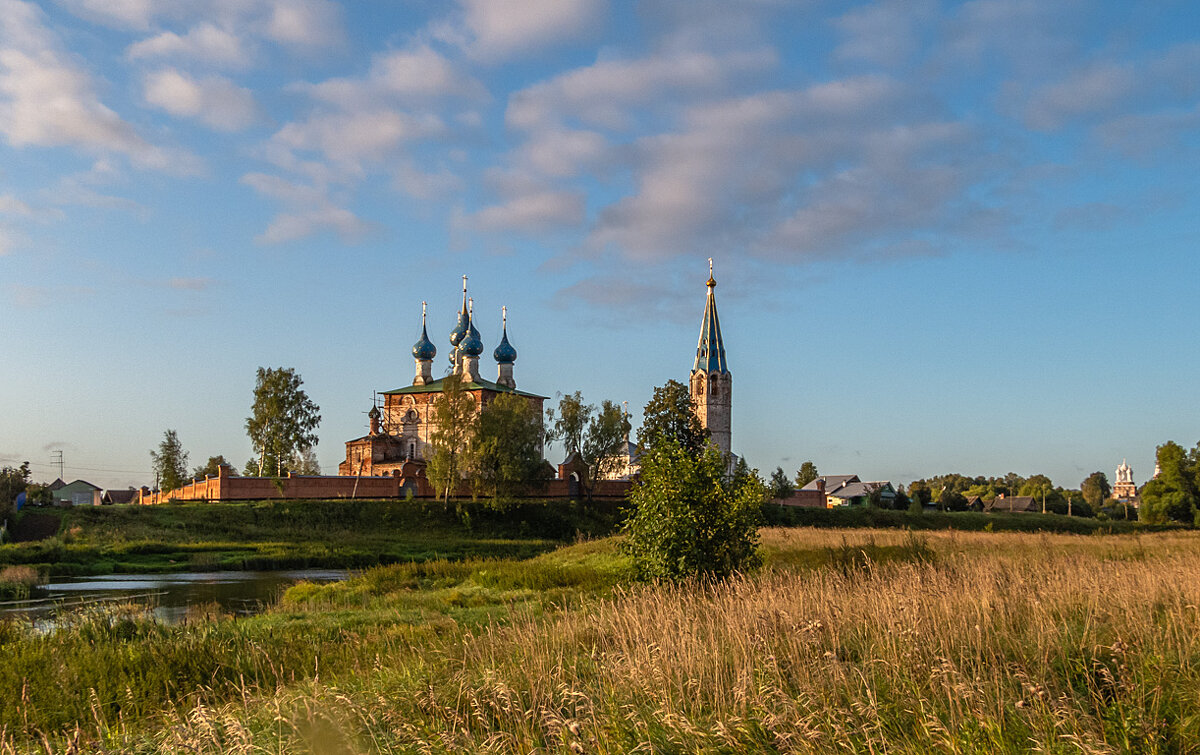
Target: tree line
(282, 428)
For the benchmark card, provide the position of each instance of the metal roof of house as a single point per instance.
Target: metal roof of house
(1015, 503)
(858, 489)
(832, 482)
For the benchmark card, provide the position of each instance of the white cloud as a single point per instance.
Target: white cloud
(214, 100)
(401, 75)
(10, 205)
(305, 23)
(792, 173)
(310, 211)
(604, 93)
(287, 227)
(533, 213)
(205, 43)
(1107, 87)
(351, 139)
(1142, 134)
(283, 189)
(47, 100)
(1094, 89)
(122, 14)
(562, 153)
(886, 33)
(503, 29)
(421, 184)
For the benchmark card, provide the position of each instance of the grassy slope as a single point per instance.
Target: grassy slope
(357, 534)
(291, 534)
(850, 640)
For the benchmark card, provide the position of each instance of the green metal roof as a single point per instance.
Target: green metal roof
(436, 387)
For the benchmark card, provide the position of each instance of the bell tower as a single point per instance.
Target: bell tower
(711, 383)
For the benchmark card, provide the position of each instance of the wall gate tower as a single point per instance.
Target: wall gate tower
(711, 383)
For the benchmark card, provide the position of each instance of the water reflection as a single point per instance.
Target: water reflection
(169, 596)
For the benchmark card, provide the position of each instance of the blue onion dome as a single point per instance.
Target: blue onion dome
(460, 330)
(471, 344)
(505, 353)
(424, 349)
(464, 320)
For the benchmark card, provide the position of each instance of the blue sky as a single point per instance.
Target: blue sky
(949, 237)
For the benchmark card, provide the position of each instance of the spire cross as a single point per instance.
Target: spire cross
(470, 305)
(504, 315)
(710, 267)
(464, 284)
(422, 314)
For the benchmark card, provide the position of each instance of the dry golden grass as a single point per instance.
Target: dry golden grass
(978, 643)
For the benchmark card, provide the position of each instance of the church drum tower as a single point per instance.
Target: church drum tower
(711, 383)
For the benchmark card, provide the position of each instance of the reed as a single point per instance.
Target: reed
(939, 642)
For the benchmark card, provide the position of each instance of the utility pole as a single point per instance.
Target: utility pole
(59, 461)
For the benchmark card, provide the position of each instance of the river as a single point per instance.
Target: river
(169, 596)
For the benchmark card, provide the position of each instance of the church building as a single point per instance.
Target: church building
(711, 383)
(399, 443)
(400, 439)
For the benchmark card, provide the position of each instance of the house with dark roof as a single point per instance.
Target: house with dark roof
(841, 490)
(1014, 504)
(78, 493)
(857, 493)
(129, 495)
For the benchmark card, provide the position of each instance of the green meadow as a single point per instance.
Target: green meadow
(848, 640)
(265, 535)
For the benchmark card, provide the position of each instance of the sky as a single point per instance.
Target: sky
(948, 236)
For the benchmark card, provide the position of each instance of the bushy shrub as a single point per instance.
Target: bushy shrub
(692, 519)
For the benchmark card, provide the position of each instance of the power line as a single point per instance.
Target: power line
(53, 464)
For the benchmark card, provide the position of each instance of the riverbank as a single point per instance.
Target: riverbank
(850, 640)
(273, 535)
(355, 534)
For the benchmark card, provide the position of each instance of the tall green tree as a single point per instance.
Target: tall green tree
(1095, 489)
(283, 419)
(569, 424)
(598, 437)
(1172, 495)
(170, 462)
(305, 462)
(1041, 488)
(210, 468)
(920, 493)
(508, 456)
(670, 416)
(690, 518)
(806, 474)
(453, 437)
(13, 482)
(780, 484)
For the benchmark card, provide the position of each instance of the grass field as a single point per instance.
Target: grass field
(853, 640)
(297, 534)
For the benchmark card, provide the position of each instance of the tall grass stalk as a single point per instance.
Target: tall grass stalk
(950, 642)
